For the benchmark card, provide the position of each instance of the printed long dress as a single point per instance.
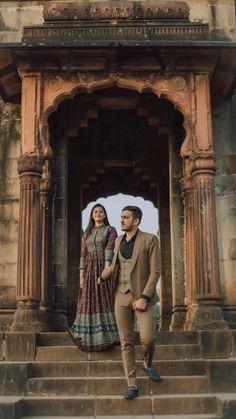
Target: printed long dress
(94, 328)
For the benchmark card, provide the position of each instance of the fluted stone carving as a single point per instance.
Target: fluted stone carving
(188, 193)
(28, 294)
(207, 313)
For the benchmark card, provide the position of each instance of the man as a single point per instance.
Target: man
(135, 271)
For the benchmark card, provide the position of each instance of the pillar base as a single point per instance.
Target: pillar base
(229, 313)
(46, 318)
(59, 320)
(27, 318)
(178, 318)
(164, 322)
(6, 318)
(203, 316)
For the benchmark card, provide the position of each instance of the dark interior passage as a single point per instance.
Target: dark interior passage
(114, 141)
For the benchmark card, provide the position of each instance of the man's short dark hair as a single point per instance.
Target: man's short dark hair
(136, 211)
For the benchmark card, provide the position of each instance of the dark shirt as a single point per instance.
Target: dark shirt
(127, 246)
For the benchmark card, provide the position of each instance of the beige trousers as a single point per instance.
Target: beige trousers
(125, 316)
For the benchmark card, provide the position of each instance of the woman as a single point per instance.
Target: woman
(95, 328)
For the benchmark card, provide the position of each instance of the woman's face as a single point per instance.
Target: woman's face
(98, 214)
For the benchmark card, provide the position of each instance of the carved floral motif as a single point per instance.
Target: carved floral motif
(54, 83)
(107, 10)
(178, 83)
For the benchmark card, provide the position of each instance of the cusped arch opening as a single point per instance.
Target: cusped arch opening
(114, 205)
(85, 107)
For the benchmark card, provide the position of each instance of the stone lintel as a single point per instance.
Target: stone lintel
(108, 34)
(189, 56)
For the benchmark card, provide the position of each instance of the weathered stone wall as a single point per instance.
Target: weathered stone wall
(220, 14)
(9, 208)
(224, 131)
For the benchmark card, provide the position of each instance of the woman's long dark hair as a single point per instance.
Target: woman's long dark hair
(91, 222)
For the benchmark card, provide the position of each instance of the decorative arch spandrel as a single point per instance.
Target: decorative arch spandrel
(176, 89)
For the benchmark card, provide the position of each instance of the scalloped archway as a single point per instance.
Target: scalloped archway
(176, 89)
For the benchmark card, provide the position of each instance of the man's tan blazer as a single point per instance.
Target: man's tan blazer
(145, 266)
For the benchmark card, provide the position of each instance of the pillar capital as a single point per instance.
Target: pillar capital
(201, 164)
(30, 163)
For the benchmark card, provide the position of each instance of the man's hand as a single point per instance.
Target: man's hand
(140, 305)
(107, 264)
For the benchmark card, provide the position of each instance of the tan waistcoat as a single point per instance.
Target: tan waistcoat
(124, 281)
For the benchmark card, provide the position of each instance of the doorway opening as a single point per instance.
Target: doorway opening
(104, 143)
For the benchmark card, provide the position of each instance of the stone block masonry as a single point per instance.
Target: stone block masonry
(9, 209)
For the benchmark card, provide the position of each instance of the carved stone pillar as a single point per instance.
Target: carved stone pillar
(189, 230)
(27, 316)
(46, 246)
(207, 313)
(177, 238)
(165, 247)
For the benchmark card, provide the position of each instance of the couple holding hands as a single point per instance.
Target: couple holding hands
(118, 278)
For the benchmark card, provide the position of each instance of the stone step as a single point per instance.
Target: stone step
(72, 386)
(10, 407)
(109, 368)
(127, 417)
(73, 353)
(163, 338)
(117, 405)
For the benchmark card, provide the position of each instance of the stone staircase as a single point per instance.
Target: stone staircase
(62, 381)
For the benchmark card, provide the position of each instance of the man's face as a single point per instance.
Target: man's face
(128, 222)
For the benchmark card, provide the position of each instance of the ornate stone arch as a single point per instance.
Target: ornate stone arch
(176, 89)
(189, 93)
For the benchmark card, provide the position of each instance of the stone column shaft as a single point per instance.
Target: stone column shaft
(208, 313)
(207, 266)
(46, 250)
(190, 246)
(189, 231)
(28, 293)
(165, 247)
